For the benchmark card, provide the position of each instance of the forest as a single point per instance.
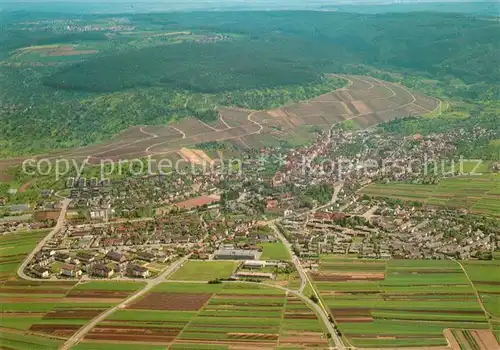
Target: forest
(149, 73)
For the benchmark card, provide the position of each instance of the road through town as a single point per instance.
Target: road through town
(57, 228)
(320, 309)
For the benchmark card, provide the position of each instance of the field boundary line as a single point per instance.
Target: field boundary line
(478, 296)
(283, 312)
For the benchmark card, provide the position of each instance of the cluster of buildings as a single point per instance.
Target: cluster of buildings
(385, 233)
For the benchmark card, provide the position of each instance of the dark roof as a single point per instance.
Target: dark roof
(137, 268)
(39, 268)
(114, 255)
(102, 267)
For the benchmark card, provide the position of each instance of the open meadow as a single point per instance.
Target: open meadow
(194, 270)
(393, 303)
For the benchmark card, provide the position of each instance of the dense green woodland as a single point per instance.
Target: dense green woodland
(267, 59)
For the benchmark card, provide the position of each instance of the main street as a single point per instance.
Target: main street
(320, 308)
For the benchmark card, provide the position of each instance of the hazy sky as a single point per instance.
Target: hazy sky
(215, 2)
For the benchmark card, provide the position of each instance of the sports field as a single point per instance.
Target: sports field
(399, 302)
(194, 270)
(274, 251)
(211, 316)
(480, 194)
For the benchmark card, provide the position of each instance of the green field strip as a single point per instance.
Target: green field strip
(31, 296)
(402, 328)
(404, 342)
(252, 308)
(402, 305)
(91, 345)
(491, 302)
(19, 322)
(303, 325)
(146, 324)
(242, 301)
(263, 330)
(196, 346)
(28, 341)
(368, 286)
(232, 313)
(151, 315)
(236, 321)
(110, 286)
(46, 307)
(400, 315)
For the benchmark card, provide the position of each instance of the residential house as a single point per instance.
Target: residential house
(70, 270)
(40, 271)
(146, 256)
(137, 271)
(102, 270)
(116, 256)
(62, 257)
(85, 257)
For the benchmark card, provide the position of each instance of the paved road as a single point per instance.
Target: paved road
(319, 308)
(150, 284)
(57, 228)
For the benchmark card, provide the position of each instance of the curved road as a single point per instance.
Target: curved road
(57, 228)
(82, 332)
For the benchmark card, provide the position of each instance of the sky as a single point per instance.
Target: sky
(215, 2)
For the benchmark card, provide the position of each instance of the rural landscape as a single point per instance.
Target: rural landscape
(219, 177)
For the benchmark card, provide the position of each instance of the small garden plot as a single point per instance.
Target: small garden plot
(172, 301)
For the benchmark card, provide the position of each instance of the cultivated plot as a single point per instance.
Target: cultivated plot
(398, 302)
(212, 316)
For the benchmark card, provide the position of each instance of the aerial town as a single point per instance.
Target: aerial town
(134, 228)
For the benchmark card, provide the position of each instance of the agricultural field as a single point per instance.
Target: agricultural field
(486, 279)
(398, 302)
(41, 315)
(14, 248)
(479, 194)
(210, 316)
(194, 270)
(274, 251)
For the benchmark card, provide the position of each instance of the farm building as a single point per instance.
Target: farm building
(244, 274)
(254, 264)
